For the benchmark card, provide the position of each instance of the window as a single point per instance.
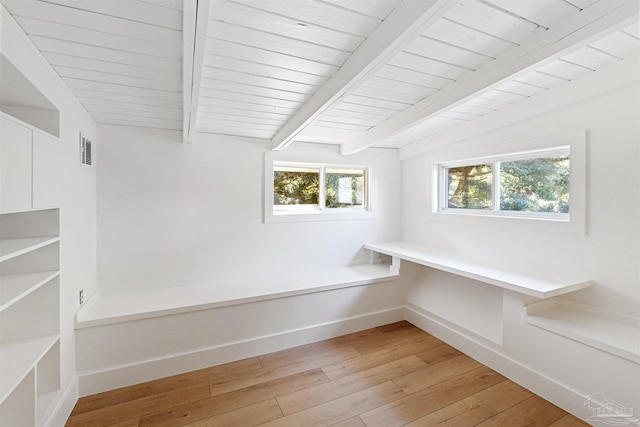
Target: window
(532, 184)
(296, 187)
(469, 187)
(345, 188)
(312, 191)
(536, 184)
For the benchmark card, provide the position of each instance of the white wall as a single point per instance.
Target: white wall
(172, 214)
(608, 253)
(59, 180)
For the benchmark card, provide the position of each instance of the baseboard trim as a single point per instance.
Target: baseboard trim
(96, 382)
(64, 405)
(559, 394)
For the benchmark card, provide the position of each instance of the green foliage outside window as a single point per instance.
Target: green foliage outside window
(470, 187)
(535, 185)
(530, 185)
(344, 188)
(296, 187)
(301, 186)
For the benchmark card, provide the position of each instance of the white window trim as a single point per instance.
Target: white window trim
(300, 214)
(574, 222)
(495, 160)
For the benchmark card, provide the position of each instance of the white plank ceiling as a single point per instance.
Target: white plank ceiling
(358, 73)
(122, 59)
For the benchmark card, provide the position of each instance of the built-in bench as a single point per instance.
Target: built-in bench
(599, 328)
(132, 337)
(126, 306)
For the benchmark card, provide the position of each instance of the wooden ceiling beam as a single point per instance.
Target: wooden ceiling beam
(565, 36)
(195, 18)
(405, 23)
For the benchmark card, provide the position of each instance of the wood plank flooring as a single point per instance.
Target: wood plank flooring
(394, 375)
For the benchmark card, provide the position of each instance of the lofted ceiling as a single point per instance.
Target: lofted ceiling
(359, 73)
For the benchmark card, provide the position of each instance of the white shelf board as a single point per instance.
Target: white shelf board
(11, 248)
(19, 358)
(16, 286)
(533, 286)
(121, 307)
(603, 329)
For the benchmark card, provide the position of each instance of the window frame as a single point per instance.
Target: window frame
(495, 161)
(574, 222)
(297, 213)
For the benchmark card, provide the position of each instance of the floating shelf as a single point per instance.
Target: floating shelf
(596, 327)
(528, 285)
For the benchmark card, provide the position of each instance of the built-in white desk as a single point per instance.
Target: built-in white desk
(525, 284)
(609, 331)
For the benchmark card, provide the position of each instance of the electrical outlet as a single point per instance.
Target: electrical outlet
(81, 296)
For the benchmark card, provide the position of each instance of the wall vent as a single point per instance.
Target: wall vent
(86, 152)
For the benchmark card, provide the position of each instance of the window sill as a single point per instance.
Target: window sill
(536, 216)
(341, 215)
(552, 224)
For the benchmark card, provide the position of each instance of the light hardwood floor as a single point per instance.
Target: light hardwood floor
(394, 375)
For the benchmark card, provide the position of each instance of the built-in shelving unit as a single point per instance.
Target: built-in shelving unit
(29, 315)
(603, 329)
(526, 284)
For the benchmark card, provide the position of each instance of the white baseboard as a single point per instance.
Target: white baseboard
(484, 351)
(96, 382)
(67, 400)
(559, 394)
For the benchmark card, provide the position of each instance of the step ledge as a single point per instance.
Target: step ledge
(613, 332)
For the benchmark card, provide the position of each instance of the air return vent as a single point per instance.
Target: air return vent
(86, 153)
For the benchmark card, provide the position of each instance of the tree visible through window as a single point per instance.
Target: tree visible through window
(344, 188)
(306, 188)
(470, 187)
(296, 186)
(533, 183)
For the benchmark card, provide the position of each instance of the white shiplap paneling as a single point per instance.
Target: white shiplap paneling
(541, 12)
(476, 35)
(262, 53)
(264, 60)
(138, 11)
(90, 37)
(322, 14)
(459, 35)
(441, 51)
(121, 59)
(493, 21)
